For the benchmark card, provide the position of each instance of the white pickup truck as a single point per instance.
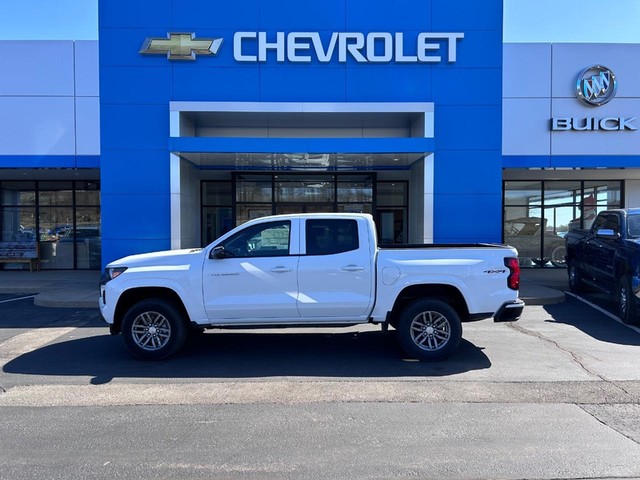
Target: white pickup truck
(309, 270)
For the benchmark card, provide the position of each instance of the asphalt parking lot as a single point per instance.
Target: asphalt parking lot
(562, 383)
(571, 341)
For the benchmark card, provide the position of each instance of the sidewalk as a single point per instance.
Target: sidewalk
(55, 288)
(79, 288)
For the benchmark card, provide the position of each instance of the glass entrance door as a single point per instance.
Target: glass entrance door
(247, 196)
(261, 194)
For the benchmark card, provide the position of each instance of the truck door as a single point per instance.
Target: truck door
(592, 245)
(336, 273)
(258, 276)
(603, 253)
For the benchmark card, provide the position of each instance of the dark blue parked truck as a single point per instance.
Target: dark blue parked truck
(607, 257)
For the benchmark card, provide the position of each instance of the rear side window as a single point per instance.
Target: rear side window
(327, 237)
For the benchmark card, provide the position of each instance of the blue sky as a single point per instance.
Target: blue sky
(613, 21)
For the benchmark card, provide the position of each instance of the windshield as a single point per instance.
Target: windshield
(633, 226)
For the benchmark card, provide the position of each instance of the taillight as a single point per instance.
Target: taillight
(513, 280)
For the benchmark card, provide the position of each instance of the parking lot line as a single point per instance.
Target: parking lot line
(16, 299)
(602, 310)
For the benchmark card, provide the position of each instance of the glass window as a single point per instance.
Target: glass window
(524, 233)
(88, 237)
(216, 193)
(633, 226)
(355, 189)
(18, 224)
(216, 221)
(56, 237)
(254, 188)
(599, 222)
(355, 208)
(87, 193)
(392, 194)
(613, 223)
(392, 225)
(251, 211)
(327, 237)
(523, 193)
(63, 216)
(604, 193)
(561, 193)
(262, 194)
(538, 214)
(264, 240)
(319, 188)
(553, 245)
(17, 193)
(55, 193)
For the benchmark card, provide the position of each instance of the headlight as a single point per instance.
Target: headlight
(115, 272)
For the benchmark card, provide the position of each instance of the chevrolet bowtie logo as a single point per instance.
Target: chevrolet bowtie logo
(181, 46)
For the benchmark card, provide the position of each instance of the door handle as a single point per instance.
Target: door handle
(352, 268)
(281, 270)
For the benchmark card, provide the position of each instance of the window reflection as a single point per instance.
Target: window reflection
(63, 216)
(262, 194)
(537, 215)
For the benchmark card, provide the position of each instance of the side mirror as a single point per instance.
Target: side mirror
(607, 233)
(218, 252)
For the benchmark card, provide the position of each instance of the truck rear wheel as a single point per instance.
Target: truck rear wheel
(429, 329)
(626, 302)
(153, 329)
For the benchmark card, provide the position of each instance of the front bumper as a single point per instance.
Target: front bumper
(509, 312)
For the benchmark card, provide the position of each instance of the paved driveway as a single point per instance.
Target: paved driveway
(554, 395)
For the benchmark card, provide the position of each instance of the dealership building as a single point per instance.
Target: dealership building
(189, 118)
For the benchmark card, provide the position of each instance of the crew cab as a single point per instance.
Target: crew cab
(607, 257)
(309, 270)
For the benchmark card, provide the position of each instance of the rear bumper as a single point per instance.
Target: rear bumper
(509, 312)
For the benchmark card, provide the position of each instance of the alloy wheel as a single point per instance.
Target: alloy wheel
(151, 331)
(430, 331)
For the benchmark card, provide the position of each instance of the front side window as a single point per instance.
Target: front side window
(263, 240)
(613, 223)
(328, 237)
(599, 222)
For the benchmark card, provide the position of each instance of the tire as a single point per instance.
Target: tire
(558, 256)
(429, 329)
(153, 329)
(626, 302)
(575, 277)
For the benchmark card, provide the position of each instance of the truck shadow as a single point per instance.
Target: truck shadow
(592, 322)
(227, 355)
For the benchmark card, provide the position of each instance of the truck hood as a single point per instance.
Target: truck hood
(167, 257)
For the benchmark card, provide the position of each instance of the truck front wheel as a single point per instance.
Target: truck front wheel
(626, 302)
(575, 277)
(153, 329)
(429, 329)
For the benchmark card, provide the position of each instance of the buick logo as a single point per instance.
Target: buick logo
(596, 85)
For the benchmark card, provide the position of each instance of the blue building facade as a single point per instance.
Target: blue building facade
(187, 119)
(347, 105)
